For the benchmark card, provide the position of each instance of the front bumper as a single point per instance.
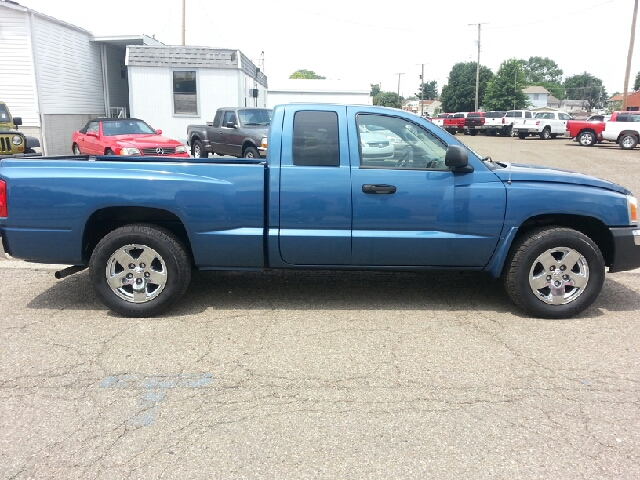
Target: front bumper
(626, 249)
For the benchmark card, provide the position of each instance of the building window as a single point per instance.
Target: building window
(185, 98)
(536, 96)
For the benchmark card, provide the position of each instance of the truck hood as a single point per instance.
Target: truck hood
(533, 173)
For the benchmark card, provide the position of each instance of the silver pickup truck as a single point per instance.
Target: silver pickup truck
(235, 131)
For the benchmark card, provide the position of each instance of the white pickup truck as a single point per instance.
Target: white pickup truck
(495, 122)
(623, 128)
(545, 124)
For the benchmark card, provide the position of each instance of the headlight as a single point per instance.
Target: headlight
(17, 140)
(632, 204)
(129, 151)
(181, 149)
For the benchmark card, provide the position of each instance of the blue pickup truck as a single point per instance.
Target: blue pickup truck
(326, 197)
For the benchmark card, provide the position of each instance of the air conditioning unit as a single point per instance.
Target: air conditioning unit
(253, 92)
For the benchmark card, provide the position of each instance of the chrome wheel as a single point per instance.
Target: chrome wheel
(136, 273)
(586, 139)
(196, 150)
(559, 276)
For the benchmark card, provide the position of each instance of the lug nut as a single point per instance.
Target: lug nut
(563, 268)
(132, 266)
(129, 275)
(552, 268)
(142, 265)
(548, 277)
(147, 274)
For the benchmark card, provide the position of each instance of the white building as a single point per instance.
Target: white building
(537, 96)
(171, 87)
(57, 76)
(298, 90)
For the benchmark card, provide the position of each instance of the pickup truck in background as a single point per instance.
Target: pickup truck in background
(516, 117)
(494, 123)
(319, 202)
(474, 123)
(235, 131)
(455, 123)
(586, 132)
(545, 124)
(439, 119)
(623, 128)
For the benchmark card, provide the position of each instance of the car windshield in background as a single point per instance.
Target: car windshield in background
(256, 116)
(126, 127)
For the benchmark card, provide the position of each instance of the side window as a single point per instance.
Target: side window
(527, 115)
(622, 117)
(510, 114)
(393, 142)
(315, 139)
(564, 116)
(217, 118)
(185, 98)
(229, 117)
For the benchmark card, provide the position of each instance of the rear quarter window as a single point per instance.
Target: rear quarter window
(315, 139)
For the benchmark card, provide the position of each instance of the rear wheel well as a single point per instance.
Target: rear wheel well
(591, 227)
(106, 220)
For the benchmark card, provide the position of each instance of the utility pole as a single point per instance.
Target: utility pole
(184, 8)
(629, 55)
(399, 83)
(478, 65)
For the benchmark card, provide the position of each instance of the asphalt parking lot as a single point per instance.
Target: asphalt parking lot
(325, 375)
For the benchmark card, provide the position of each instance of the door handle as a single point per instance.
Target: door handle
(378, 189)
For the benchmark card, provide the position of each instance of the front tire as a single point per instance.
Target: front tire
(140, 270)
(76, 149)
(251, 152)
(554, 272)
(586, 139)
(628, 141)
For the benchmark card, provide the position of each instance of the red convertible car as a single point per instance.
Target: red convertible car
(124, 136)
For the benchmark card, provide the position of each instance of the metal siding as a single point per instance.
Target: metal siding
(59, 129)
(151, 97)
(17, 81)
(69, 70)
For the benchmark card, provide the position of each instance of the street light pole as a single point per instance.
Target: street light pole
(399, 84)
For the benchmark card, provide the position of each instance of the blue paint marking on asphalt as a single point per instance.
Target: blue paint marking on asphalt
(155, 390)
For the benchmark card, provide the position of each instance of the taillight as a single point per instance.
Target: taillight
(482, 121)
(3, 199)
(503, 120)
(538, 122)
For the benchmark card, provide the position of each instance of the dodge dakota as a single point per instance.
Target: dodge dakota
(141, 224)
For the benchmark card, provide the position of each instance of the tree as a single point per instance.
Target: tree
(375, 89)
(586, 87)
(504, 91)
(306, 74)
(538, 69)
(636, 84)
(459, 94)
(388, 99)
(430, 90)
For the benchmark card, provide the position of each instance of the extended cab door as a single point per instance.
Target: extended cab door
(229, 135)
(315, 187)
(409, 209)
(561, 123)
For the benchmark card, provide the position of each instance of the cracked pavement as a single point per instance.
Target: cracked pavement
(322, 375)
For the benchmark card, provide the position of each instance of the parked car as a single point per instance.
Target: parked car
(240, 132)
(474, 123)
(545, 124)
(124, 136)
(13, 141)
(377, 145)
(494, 123)
(624, 129)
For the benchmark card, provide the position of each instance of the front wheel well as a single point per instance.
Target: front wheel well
(590, 226)
(246, 144)
(106, 220)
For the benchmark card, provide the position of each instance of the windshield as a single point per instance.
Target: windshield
(4, 113)
(255, 116)
(126, 127)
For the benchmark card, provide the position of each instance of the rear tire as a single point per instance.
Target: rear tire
(198, 150)
(140, 270)
(522, 135)
(545, 134)
(586, 139)
(473, 133)
(554, 272)
(628, 141)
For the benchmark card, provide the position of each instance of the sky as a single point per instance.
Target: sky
(373, 41)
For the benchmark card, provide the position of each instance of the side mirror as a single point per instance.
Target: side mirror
(230, 125)
(159, 132)
(456, 157)
(92, 134)
(17, 121)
